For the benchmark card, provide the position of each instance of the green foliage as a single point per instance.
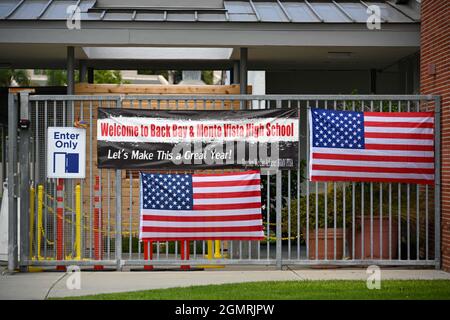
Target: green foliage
(56, 77)
(364, 192)
(208, 77)
(8, 75)
(108, 76)
(59, 77)
(323, 201)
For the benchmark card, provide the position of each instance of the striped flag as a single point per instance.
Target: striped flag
(222, 206)
(371, 146)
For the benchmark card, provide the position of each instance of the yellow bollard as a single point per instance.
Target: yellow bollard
(209, 255)
(217, 254)
(39, 226)
(78, 221)
(31, 233)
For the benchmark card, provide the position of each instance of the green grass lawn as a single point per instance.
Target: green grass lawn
(297, 290)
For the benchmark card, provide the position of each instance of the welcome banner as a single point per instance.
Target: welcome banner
(190, 139)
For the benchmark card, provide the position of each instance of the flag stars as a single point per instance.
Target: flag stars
(333, 129)
(166, 192)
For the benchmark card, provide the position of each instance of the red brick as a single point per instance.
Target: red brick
(435, 49)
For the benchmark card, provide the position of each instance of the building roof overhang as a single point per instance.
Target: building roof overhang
(39, 40)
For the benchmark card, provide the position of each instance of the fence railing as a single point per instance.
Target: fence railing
(305, 223)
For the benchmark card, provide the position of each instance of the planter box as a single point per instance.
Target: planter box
(330, 244)
(376, 239)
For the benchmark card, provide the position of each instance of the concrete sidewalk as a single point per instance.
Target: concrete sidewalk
(51, 284)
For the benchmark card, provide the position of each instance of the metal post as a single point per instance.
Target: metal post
(83, 71)
(437, 180)
(119, 219)
(12, 174)
(119, 211)
(3, 158)
(235, 72)
(373, 81)
(70, 70)
(278, 220)
(24, 151)
(243, 70)
(90, 75)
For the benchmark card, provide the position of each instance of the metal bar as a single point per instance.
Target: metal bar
(12, 174)
(54, 184)
(24, 151)
(343, 11)
(381, 220)
(417, 223)
(268, 214)
(118, 233)
(90, 182)
(14, 9)
(232, 262)
(399, 222)
(289, 214)
(118, 220)
(390, 206)
(393, 5)
(314, 11)
(46, 199)
(130, 238)
(258, 17)
(437, 181)
(308, 110)
(362, 222)
(298, 185)
(279, 205)
(44, 9)
(108, 245)
(286, 13)
(235, 97)
(426, 223)
(36, 165)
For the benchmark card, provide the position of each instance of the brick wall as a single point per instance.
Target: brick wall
(435, 79)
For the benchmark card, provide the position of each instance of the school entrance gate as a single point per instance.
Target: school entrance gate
(95, 221)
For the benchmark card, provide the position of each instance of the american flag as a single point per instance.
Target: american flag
(371, 146)
(222, 206)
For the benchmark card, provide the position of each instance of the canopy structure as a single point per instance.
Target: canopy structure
(270, 35)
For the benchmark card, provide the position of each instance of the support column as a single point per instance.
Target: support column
(235, 73)
(83, 71)
(243, 70)
(12, 185)
(70, 70)
(373, 81)
(90, 75)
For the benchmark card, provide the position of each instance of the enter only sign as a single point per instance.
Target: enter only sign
(66, 152)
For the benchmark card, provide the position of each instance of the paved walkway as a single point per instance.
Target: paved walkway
(52, 284)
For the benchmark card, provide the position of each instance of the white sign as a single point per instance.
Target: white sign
(66, 152)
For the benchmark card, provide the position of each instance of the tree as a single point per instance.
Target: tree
(108, 76)
(59, 77)
(7, 76)
(56, 77)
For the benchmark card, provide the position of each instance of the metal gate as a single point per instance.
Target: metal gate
(305, 223)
